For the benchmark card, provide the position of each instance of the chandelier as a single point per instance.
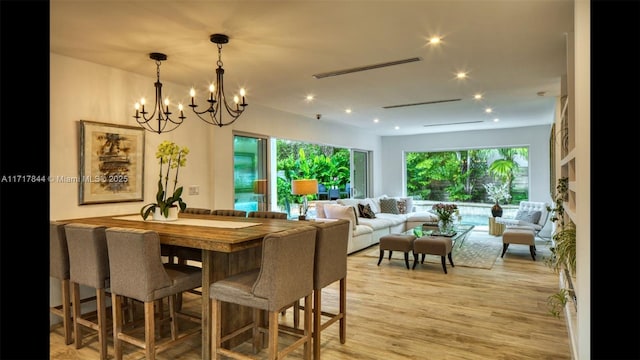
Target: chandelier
(163, 122)
(217, 100)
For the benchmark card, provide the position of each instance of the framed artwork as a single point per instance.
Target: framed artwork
(111, 163)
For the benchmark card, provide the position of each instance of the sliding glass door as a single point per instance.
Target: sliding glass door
(250, 172)
(359, 174)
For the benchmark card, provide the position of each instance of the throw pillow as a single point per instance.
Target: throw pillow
(528, 216)
(337, 211)
(366, 212)
(389, 206)
(402, 206)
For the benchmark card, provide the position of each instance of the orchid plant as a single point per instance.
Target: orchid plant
(497, 193)
(171, 156)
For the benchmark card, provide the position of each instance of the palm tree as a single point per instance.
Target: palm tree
(505, 168)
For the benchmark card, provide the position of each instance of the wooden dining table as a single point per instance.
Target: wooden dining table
(229, 245)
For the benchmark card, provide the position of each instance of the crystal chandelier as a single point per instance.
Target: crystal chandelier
(213, 114)
(163, 122)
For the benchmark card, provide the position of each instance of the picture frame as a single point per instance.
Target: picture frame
(111, 163)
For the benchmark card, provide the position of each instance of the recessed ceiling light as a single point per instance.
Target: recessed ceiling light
(488, 110)
(461, 75)
(496, 120)
(477, 96)
(397, 127)
(435, 40)
(376, 120)
(348, 111)
(309, 97)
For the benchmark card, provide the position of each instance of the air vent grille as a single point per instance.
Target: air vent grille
(420, 103)
(366, 67)
(455, 123)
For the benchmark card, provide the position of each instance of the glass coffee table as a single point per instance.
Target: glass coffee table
(458, 237)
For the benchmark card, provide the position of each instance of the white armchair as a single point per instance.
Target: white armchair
(530, 214)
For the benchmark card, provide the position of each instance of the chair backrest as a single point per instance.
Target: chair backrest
(229, 212)
(330, 263)
(201, 211)
(286, 271)
(58, 251)
(136, 265)
(267, 215)
(322, 189)
(88, 255)
(334, 194)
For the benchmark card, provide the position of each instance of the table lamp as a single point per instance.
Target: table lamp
(260, 189)
(304, 187)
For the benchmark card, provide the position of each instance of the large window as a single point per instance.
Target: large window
(460, 176)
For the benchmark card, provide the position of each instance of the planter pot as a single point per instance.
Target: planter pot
(496, 210)
(173, 214)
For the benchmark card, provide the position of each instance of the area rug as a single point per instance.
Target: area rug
(480, 250)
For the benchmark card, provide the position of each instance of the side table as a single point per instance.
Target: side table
(495, 228)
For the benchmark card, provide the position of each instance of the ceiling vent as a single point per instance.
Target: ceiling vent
(420, 103)
(456, 123)
(366, 67)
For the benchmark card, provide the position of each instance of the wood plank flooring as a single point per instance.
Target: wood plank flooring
(397, 314)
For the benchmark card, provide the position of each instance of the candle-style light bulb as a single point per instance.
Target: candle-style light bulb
(166, 104)
(142, 101)
(192, 92)
(137, 107)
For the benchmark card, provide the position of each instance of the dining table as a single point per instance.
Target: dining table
(229, 245)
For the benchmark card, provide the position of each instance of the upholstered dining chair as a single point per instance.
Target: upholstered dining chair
(88, 266)
(137, 272)
(59, 269)
(200, 211)
(267, 215)
(330, 266)
(229, 212)
(285, 275)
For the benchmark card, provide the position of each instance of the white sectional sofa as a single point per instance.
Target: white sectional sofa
(367, 231)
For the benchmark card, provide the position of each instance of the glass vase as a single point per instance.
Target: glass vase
(445, 226)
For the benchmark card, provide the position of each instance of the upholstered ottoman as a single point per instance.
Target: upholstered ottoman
(396, 242)
(522, 235)
(433, 245)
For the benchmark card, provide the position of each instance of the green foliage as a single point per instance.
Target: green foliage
(174, 157)
(557, 302)
(298, 160)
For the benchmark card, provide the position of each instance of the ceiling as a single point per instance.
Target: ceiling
(512, 51)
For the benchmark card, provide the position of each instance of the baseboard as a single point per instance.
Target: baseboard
(571, 316)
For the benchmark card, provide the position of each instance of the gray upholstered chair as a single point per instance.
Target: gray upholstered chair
(330, 265)
(200, 211)
(59, 269)
(267, 214)
(229, 212)
(88, 266)
(285, 276)
(137, 272)
(530, 214)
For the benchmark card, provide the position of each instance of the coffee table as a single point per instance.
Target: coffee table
(461, 234)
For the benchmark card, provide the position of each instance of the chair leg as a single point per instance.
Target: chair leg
(116, 304)
(101, 306)
(149, 330)
(317, 321)
(444, 263)
(343, 310)
(66, 311)
(308, 310)
(216, 326)
(504, 248)
(406, 259)
(450, 260)
(381, 256)
(77, 332)
(415, 260)
(273, 334)
(532, 250)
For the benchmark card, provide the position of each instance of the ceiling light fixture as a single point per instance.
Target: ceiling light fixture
(164, 115)
(488, 110)
(217, 99)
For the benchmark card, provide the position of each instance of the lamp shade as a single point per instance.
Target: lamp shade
(304, 187)
(260, 186)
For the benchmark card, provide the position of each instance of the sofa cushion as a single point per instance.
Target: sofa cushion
(366, 211)
(528, 216)
(389, 205)
(425, 217)
(337, 211)
(402, 206)
(378, 223)
(320, 207)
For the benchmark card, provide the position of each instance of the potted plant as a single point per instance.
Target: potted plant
(497, 193)
(171, 156)
(563, 251)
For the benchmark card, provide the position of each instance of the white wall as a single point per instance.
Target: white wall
(535, 137)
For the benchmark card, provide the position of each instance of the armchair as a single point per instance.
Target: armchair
(531, 214)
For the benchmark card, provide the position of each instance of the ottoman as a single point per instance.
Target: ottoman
(522, 235)
(396, 242)
(433, 245)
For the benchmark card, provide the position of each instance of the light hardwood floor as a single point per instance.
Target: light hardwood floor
(397, 314)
